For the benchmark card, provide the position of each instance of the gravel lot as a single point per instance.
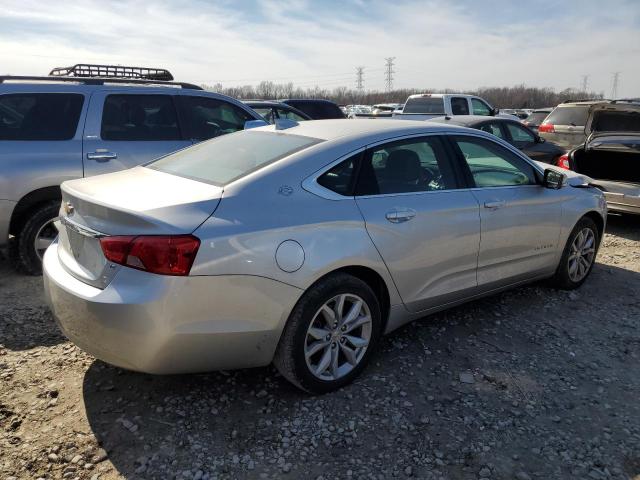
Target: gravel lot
(533, 383)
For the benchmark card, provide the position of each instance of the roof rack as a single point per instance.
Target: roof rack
(586, 100)
(99, 81)
(112, 71)
(629, 100)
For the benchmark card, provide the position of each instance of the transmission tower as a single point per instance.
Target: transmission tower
(585, 83)
(388, 75)
(360, 78)
(615, 85)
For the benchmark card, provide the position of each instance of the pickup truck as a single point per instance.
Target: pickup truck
(430, 105)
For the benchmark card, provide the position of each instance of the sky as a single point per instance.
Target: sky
(462, 44)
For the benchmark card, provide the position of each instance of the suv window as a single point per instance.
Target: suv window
(492, 165)
(139, 118)
(417, 165)
(459, 106)
(340, 179)
(519, 135)
(569, 115)
(479, 107)
(39, 116)
(209, 117)
(425, 105)
(289, 115)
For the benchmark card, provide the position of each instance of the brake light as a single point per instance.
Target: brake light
(563, 161)
(546, 128)
(164, 255)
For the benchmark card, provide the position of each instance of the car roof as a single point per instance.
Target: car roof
(345, 128)
(470, 120)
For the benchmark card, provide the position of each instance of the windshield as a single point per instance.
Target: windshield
(227, 158)
(612, 121)
(430, 105)
(575, 115)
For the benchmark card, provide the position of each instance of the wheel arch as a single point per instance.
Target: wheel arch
(30, 201)
(598, 220)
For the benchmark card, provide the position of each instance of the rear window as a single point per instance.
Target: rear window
(608, 121)
(426, 105)
(575, 115)
(230, 157)
(537, 117)
(39, 116)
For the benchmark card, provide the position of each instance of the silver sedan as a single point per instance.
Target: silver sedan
(302, 244)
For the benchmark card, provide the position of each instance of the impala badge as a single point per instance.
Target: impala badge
(69, 209)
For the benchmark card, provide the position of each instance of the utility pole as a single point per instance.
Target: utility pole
(360, 79)
(615, 85)
(388, 76)
(585, 83)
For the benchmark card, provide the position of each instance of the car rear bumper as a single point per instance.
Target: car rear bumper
(162, 324)
(6, 209)
(623, 203)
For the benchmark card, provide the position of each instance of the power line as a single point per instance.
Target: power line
(388, 76)
(615, 85)
(360, 78)
(585, 82)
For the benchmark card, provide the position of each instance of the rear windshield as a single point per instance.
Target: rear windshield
(574, 115)
(230, 157)
(430, 105)
(537, 117)
(605, 121)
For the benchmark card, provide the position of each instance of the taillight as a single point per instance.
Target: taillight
(164, 255)
(546, 128)
(563, 161)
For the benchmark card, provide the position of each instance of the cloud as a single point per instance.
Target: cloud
(460, 45)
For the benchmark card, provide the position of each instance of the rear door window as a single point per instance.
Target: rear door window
(570, 115)
(416, 165)
(39, 116)
(459, 106)
(493, 128)
(210, 117)
(520, 136)
(139, 118)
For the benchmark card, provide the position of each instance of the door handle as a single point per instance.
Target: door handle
(495, 204)
(102, 156)
(398, 215)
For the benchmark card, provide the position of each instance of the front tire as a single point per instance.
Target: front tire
(579, 255)
(37, 233)
(330, 335)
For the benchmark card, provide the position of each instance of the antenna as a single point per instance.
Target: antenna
(360, 78)
(585, 83)
(615, 85)
(389, 73)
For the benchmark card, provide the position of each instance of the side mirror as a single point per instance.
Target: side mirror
(553, 179)
(254, 124)
(539, 139)
(494, 112)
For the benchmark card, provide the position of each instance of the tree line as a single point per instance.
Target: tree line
(518, 96)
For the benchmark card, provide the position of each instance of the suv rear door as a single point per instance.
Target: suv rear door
(565, 125)
(126, 128)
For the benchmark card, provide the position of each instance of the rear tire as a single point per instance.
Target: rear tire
(314, 338)
(35, 233)
(578, 256)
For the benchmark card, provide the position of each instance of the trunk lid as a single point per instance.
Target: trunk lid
(139, 201)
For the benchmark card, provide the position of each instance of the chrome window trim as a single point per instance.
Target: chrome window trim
(311, 185)
(81, 229)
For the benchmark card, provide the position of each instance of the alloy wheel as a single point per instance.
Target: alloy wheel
(582, 254)
(45, 236)
(338, 337)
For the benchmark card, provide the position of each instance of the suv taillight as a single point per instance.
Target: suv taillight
(164, 255)
(546, 128)
(563, 161)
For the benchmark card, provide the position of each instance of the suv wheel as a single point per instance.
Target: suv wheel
(330, 334)
(579, 255)
(36, 235)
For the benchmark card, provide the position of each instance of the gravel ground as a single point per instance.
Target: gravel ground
(530, 384)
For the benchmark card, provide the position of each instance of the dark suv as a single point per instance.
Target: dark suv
(316, 109)
(86, 120)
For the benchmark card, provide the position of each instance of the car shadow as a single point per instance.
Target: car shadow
(25, 319)
(625, 226)
(242, 423)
